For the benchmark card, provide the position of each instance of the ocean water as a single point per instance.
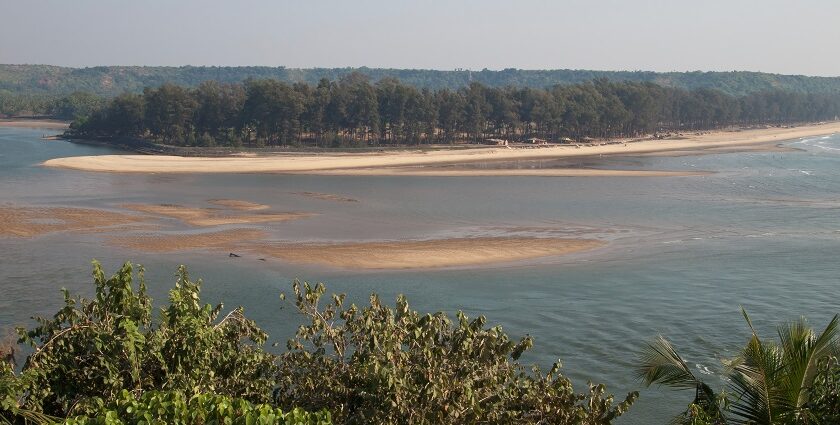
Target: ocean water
(762, 232)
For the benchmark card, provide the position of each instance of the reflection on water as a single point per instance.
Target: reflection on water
(685, 252)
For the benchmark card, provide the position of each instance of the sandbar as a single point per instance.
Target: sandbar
(437, 253)
(35, 221)
(363, 163)
(211, 216)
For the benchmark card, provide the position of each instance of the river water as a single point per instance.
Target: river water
(762, 232)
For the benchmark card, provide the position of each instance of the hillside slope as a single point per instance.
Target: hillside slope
(112, 80)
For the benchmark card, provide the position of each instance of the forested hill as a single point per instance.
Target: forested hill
(113, 80)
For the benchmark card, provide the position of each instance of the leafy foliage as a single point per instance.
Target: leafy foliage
(91, 351)
(160, 408)
(794, 381)
(106, 361)
(825, 391)
(393, 365)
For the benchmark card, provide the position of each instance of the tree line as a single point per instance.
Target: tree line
(68, 107)
(352, 111)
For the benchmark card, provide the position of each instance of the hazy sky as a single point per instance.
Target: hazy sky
(783, 36)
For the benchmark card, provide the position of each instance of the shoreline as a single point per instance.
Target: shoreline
(400, 162)
(34, 123)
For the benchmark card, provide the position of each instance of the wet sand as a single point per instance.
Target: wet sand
(227, 240)
(532, 172)
(427, 253)
(397, 161)
(211, 216)
(35, 221)
(238, 205)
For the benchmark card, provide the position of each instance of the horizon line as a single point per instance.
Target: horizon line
(424, 69)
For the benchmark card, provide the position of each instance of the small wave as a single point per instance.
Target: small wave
(825, 143)
(703, 369)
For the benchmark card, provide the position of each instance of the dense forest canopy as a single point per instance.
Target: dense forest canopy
(114, 80)
(354, 111)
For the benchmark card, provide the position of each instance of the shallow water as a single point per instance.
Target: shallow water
(763, 231)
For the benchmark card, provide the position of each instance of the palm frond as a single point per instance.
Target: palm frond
(802, 350)
(753, 380)
(659, 363)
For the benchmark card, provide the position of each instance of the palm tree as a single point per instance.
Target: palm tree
(769, 382)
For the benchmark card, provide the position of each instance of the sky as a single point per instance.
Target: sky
(787, 37)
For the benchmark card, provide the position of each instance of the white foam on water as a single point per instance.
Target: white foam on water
(820, 142)
(703, 369)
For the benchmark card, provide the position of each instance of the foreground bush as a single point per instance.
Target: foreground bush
(395, 366)
(824, 393)
(92, 350)
(105, 360)
(162, 408)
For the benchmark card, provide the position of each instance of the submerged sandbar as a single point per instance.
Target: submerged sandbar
(31, 221)
(211, 216)
(436, 253)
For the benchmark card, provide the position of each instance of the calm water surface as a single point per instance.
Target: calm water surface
(685, 252)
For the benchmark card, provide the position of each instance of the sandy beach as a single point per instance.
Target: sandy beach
(212, 217)
(25, 123)
(437, 253)
(395, 162)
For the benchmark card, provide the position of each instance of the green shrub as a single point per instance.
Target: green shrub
(92, 350)
(106, 361)
(164, 408)
(395, 366)
(825, 392)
